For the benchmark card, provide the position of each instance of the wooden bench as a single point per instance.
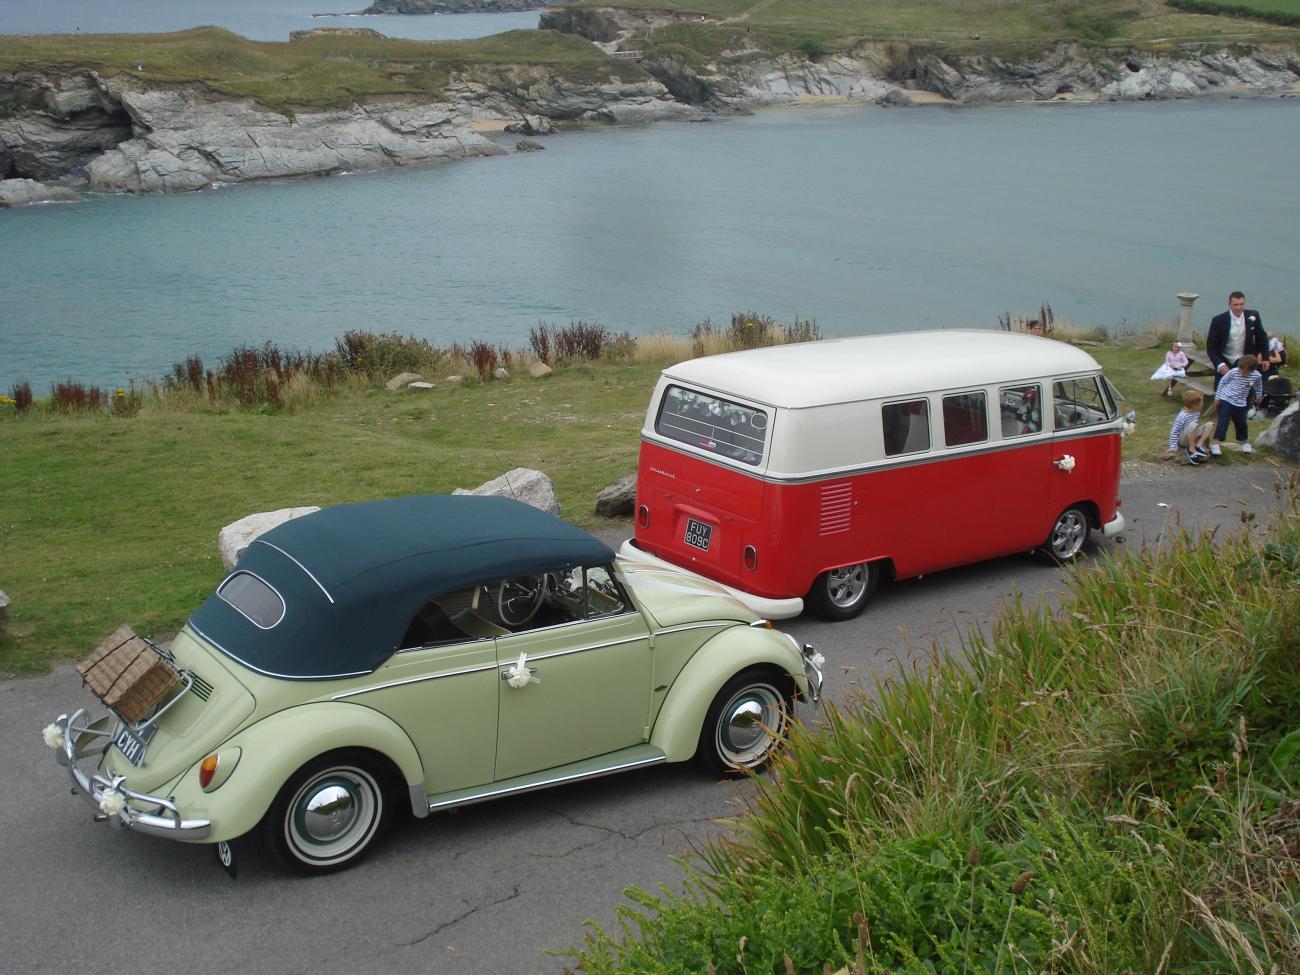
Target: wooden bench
(1202, 382)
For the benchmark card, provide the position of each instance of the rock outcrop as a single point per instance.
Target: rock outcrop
(23, 192)
(421, 7)
(188, 139)
(52, 126)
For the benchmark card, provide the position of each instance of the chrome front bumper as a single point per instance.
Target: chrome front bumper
(100, 791)
(812, 672)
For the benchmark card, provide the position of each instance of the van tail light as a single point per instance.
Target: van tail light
(207, 769)
(751, 557)
(643, 516)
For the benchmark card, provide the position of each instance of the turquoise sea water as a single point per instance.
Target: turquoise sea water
(262, 20)
(867, 219)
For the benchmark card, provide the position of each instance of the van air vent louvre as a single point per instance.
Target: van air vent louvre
(836, 507)
(201, 688)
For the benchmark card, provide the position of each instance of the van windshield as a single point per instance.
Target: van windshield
(713, 424)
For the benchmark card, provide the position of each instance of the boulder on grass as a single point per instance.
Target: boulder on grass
(523, 484)
(5, 602)
(235, 538)
(617, 500)
(402, 379)
(1283, 434)
(539, 370)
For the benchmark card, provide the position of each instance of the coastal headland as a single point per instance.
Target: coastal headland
(186, 111)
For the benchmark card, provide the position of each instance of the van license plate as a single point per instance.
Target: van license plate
(698, 534)
(131, 745)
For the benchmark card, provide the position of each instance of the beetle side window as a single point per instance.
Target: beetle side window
(965, 419)
(906, 427)
(1079, 403)
(253, 599)
(1022, 410)
(713, 424)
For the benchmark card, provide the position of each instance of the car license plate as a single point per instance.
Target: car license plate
(698, 534)
(132, 745)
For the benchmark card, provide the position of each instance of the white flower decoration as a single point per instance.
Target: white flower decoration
(53, 735)
(1066, 463)
(519, 675)
(1252, 318)
(112, 802)
(818, 661)
(1127, 427)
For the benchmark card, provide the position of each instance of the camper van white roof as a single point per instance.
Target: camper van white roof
(881, 366)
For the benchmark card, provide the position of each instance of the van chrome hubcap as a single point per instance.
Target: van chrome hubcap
(845, 586)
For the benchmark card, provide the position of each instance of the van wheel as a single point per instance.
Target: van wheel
(329, 813)
(746, 723)
(1066, 539)
(841, 594)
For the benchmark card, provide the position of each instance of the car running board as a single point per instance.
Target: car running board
(638, 756)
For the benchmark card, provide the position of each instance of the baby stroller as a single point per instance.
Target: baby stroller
(1278, 395)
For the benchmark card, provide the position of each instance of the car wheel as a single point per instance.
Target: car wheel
(328, 815)
(1066, 539)
(746, 723)
(841, 594)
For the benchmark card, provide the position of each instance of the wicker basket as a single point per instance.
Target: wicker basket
(128, 674)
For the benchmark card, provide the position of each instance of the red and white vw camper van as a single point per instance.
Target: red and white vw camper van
(805, 473)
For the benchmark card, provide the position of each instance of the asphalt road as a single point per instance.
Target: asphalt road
(487, 889)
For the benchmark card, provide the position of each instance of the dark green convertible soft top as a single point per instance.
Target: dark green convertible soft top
(351, 577)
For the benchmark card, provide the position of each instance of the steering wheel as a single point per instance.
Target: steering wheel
(519, 598)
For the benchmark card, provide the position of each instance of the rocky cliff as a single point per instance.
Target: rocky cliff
(452, 6)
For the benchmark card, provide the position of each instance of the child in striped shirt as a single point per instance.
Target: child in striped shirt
(1231, 397)
(1186, 432)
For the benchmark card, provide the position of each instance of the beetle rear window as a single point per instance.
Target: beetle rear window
(713, 424)
(253, 598)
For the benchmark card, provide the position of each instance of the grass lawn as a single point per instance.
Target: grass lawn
(114, 519)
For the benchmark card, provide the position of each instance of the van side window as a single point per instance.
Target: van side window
(713, 424)
(906, 427)
(1022, 410)
(1079, 403)
(965, 419)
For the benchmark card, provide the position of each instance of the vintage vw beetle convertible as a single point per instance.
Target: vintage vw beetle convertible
(430, 652)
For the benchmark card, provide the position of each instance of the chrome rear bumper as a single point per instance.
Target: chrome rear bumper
(113, 802)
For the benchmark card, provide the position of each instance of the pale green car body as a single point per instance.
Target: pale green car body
(443, 725)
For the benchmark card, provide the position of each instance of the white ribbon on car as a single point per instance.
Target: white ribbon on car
(1066, 463)
(519, 675)
(112, 802)
(53, 735)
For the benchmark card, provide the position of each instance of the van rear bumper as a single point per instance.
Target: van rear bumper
(772, 609)
(1114, 527)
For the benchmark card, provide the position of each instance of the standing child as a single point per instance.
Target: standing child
(1186, 432)
(1175, 367)
(1231, 398)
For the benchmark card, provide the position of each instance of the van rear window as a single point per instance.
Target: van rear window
(713, 424)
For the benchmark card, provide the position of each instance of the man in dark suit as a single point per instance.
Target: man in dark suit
(1236, 332)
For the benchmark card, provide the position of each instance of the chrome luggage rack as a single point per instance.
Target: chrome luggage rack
(144, 729)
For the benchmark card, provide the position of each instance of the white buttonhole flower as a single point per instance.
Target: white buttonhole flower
(112, 802)
(53, 735)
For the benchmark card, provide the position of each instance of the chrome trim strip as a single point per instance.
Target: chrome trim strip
(571, 650)
(414, 680)
(269, 673)
(698, 626)
(257, 541)
(284, 607)
(545, 783)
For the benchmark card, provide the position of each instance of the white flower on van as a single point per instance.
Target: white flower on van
(112, 802)
(53, 735)
(1066, 463)
(1127, 427)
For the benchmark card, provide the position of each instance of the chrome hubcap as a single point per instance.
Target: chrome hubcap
(1068, 535)
(333, 815)
(845, 586)
(329, 813)
(750, 725)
